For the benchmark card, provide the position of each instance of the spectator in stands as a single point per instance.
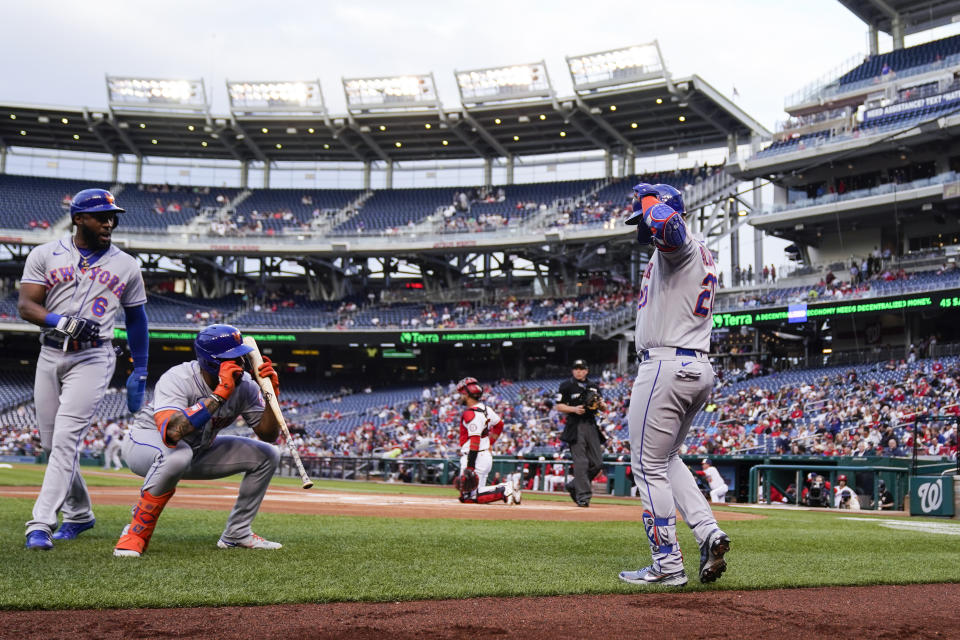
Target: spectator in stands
(895, 450)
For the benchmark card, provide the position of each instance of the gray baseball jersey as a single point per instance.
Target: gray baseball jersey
(69, 386)
(674, 379)
(112, 281)
(203, 454)
(182, 386)
(676, 299)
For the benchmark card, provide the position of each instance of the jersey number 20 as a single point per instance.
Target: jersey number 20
(703, 300)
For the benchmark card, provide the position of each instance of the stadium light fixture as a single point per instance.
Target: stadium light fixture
(23, 132)
(496, 121)
(563, 134)
(638, 63)
(413, 91)
(153, 93)
(13, 116)
(76, 136)
(445, 142)
(302, 96)
(190, 127)
(496, 84)
(64, 121)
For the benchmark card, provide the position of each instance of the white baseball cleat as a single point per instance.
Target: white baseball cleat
(649, 577)
(126, 553)
(253, 541)
(508, 493)
(517, 489)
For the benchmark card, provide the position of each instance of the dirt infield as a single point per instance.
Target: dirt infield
(317, 502)
(844, 612)
(785, 613)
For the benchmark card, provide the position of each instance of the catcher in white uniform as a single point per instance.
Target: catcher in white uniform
(480, 426)
(674, 379)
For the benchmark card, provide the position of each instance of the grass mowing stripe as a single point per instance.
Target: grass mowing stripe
(331, 558)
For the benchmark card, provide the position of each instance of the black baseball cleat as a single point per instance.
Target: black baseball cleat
(712, 564)
(571, 490)
(583, 503)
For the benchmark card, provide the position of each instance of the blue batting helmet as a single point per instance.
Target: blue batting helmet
(219, 343)
(671, 197)
(93, 201)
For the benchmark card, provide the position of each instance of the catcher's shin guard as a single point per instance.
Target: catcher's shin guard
(498, 493)
(136, 537)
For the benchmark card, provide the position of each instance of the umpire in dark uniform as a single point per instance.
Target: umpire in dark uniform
(581, 431)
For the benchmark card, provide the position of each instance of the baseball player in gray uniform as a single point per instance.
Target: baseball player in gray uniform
(73, 288)
(674, 379)
(175, 436)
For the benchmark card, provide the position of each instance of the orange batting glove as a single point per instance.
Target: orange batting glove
(266, 370)
(230, 374)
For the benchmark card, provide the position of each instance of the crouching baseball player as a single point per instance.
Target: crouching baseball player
(480, 426)
(674, 379)
(175, 437)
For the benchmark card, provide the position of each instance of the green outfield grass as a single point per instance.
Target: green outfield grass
(330, 558)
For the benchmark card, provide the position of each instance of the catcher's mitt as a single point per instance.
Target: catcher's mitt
(592, 400)
(467, 481)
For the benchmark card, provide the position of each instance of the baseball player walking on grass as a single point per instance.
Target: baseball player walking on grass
(73, 288)
(480, 426)
(674, 319)
(175, 437)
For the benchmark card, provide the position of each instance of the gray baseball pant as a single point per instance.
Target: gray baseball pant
(667, 394)
(162, 468)
(67, 389)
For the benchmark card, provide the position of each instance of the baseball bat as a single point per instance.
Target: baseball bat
(267, 387)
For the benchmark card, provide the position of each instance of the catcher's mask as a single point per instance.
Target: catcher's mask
(470, 387)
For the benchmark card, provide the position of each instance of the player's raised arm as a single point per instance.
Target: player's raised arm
(658, 212)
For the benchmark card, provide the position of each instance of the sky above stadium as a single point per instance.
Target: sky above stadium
(57, 52)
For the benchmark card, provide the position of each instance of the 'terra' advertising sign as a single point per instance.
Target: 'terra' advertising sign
(804, 311)
(931, 496)
(492, 335)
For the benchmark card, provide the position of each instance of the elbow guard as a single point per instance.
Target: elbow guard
(666, 226)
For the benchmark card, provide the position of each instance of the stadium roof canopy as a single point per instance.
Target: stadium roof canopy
(915, 15)
(639, 110)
